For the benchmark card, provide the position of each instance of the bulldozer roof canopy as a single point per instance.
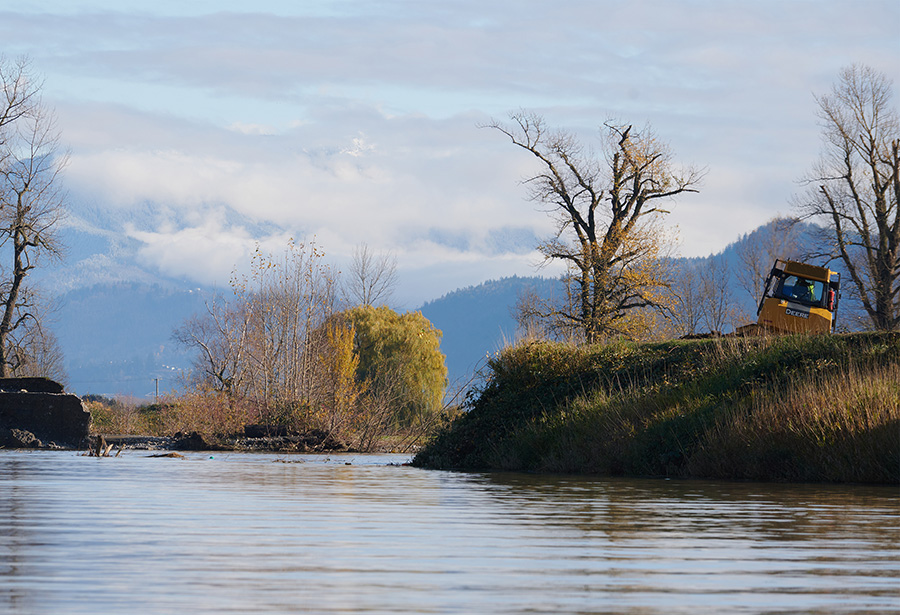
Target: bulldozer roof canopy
(807, 271)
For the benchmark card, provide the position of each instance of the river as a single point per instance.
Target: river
(254, 533)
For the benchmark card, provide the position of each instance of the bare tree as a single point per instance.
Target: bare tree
(756, 252)
(21, 92)
(687, 311)
(220, 338)
(372, 277)
(854, 189)
(35, 351)
(528, 312)
(717, 305)
(264, 347)
(605, 209)
(31, 201)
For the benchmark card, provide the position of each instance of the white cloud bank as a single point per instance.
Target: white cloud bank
(205, 130)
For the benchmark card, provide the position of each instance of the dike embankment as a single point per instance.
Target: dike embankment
(37, 413)
(790, 408)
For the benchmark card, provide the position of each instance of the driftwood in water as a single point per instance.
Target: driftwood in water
(100, 448)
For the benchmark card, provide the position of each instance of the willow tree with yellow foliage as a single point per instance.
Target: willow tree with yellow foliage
(340, 391)
(608, 209)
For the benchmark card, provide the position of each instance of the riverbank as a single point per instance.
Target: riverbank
(312, 442)
(195, 423)
(791, 408)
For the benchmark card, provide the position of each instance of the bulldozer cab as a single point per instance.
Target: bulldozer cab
(800, 289)
(799, 298)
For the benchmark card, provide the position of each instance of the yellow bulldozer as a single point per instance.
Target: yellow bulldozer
(797, 298)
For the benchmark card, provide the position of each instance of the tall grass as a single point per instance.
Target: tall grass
(837, 426)
(113, 417)
(221, 420)
(211, 415)
(783, 408)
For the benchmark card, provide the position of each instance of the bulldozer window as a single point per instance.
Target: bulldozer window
(802, 290)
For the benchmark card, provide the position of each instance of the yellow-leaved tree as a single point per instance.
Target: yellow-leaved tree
(400, 359)
(607, 211)
(338, 362)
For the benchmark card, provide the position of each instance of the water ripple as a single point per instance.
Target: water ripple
(233, 533)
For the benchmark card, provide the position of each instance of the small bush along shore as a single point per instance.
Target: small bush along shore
(791, 408)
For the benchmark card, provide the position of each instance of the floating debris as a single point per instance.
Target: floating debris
(101, 448)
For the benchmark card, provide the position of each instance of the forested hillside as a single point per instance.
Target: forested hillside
(479, 320)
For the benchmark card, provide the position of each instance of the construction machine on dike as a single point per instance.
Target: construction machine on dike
(797, 298)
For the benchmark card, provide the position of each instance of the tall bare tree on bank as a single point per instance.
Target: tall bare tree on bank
(854, 189)
(31, 201)
(606, 209)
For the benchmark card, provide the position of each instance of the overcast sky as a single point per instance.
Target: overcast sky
(201, 128)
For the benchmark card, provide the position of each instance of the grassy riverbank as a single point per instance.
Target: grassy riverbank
(793, 408)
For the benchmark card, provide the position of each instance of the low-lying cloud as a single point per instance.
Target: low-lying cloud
(204, 130)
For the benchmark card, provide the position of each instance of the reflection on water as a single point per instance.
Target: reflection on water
(259, 533)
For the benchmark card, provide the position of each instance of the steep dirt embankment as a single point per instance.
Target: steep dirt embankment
(793, 408)
(36, 413)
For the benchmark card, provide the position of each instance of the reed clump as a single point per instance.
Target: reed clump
(109, 416)
(792, 408)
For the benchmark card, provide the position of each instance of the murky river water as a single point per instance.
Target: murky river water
(241, 533)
